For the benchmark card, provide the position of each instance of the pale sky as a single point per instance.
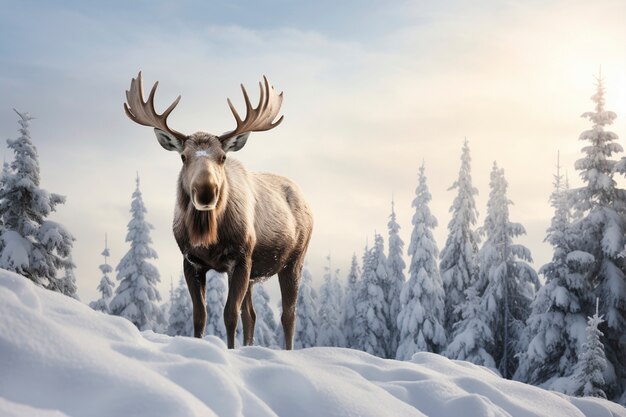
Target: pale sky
(371, 88)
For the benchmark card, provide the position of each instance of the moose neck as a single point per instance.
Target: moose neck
(202, 226)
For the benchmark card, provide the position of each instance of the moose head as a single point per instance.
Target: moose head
(203, 154)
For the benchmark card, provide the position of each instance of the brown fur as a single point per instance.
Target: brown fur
(227, 219)
(260, 226)
(201, 226)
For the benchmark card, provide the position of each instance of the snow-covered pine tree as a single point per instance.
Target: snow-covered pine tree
(589, 376)
(31, 245)
(66, 284)
(4, 177)
(180, 315)
(216, 293)
(421, 319)
(280, 334)
(471, 338)
(360, 327)
(510, 281)
(265, 327)
(371, 329)
(339, 292)
(329, 331)
(307, 322)
(166, 306)
(458, 264)
(395, 269)
(348, 312)
(380, 267)
(601, 206)
(554, 328)
(106, 285)
(136, 297)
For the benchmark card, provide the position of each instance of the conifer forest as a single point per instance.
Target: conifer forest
(315, 209)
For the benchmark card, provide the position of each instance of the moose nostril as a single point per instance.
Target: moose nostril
(205, 194)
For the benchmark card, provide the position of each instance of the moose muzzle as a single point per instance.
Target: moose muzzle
(204, 196)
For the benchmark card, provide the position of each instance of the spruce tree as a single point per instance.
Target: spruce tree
(106, 285)
(557, 313)
(349, 313)
(180, 314)
(329, 313)
(339, 292)
(589, 375)
(265, 327)
(510, 281)
(4, 178)
(66, 284)
(380, 268)
(601, 206)
(471, 339)
(280, 334)
(421, 319)
(372, 333)
(165, 307)
(395, 269)
(307, 322)
(136, 298)
(458, 265)
(216, 293)
(360, 328)
(32, 246)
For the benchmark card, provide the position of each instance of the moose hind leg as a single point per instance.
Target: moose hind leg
(196, 284)
(289, 280)
(248, 317)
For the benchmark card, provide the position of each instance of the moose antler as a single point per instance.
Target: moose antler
(143, 112)
(260, 118)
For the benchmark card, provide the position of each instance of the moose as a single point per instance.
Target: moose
(250, 225)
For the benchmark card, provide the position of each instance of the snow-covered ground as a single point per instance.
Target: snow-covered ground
(60, 358)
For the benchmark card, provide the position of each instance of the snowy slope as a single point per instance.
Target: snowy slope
(60, 358)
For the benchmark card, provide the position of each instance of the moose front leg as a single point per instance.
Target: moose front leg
(289, 280)
(248, 317)
(196, 284)
(237, 289)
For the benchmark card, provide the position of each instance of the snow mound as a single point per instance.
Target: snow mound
(60, 358)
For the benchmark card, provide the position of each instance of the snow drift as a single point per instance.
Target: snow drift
(60, 358)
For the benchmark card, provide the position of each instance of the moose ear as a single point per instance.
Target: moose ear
(168, 141)
(235, 143)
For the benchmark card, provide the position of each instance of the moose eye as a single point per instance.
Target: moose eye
(223, 159)
(183, 158)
